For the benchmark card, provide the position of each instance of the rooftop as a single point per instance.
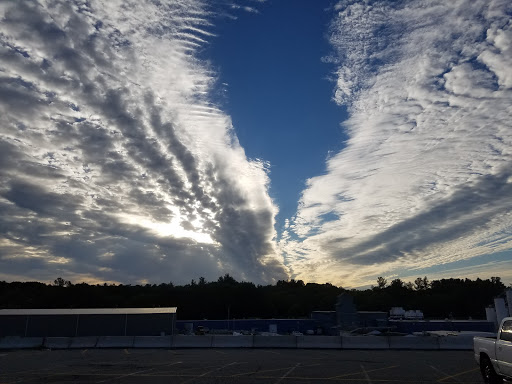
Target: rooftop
(86, 311)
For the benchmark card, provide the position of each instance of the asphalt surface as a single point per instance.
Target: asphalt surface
(240, 366)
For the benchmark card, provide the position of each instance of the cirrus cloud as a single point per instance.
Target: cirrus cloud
(426, 174)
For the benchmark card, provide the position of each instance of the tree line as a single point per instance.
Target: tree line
(228, 298)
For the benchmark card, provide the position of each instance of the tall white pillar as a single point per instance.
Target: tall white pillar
(509, 301)
(501, 310)
(490, 315)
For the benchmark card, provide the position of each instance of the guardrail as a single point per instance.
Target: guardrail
(256, 341)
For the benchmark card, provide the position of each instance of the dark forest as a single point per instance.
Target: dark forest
(226, 297)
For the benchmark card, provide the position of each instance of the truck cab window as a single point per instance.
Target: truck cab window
(506, 331)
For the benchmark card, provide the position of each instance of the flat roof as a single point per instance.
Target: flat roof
(87, 311)
(438, 321)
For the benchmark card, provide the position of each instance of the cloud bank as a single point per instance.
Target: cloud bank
(426, 174)
(116, 166)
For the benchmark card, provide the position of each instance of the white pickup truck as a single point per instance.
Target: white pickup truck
(495, 355)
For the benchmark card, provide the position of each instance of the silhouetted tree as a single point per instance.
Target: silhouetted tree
(60, 282)
(421, 284)
(381, 282)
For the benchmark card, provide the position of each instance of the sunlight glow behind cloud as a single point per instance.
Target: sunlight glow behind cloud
(114, 157)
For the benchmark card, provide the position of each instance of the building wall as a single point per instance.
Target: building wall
(406, 326)
(284, 326)
(372, 319)
(363, 319)
(152, 324)
(346, 312)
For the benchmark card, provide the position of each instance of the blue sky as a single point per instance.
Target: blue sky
(276, 85)
(328, 141)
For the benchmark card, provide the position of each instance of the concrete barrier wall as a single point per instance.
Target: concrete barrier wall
(17, 342)
(57, 342)
(275, 341)
(84, 342)
(226, 341)
(182, 341)
(413, 342)
(456, 342)
(364, 342)
(115, 342)
(321, 342)
(152, 342)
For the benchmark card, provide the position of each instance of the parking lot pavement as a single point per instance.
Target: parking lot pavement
(237, 366)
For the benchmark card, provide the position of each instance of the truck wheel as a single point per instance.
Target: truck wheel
(488, 373)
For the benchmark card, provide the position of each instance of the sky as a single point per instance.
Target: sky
(150, 141)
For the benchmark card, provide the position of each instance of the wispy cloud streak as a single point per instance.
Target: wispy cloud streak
(426, 174)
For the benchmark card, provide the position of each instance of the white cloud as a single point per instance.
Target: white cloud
(110, 145)
(424, 178)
